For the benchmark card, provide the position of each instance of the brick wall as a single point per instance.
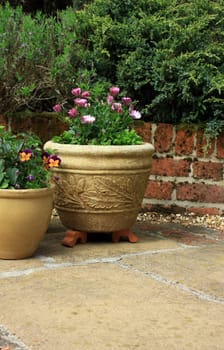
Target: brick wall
(183, 178)
(44, 124)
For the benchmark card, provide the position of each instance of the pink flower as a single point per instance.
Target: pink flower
(87, 119)
(126, 101)
(76, 91)
(135, 114)
(110, 99)
(85, 94)
(117, 107)
(81, 102)
(72, 112)
(114, 90)
(57, 108)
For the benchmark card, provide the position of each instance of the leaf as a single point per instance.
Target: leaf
(13, 175)
(2, 163)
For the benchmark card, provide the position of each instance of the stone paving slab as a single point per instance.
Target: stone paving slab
(103, 306)
(198, 268)
(189, 235)
(102, 247)
(164, 292)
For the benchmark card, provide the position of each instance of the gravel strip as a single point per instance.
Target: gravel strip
(191, 219)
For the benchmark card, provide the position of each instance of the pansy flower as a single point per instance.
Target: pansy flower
(30, 177)
(54, 161)
(25, 155)
(44, 157)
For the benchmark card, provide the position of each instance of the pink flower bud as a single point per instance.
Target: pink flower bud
(57, 108)
(135, 114)
(110, 99)
(85, 94)
(76, 91)
(117, 107)
(87, 119)
(126, 101)
(81, 102)
(114, 90)
(72, 112)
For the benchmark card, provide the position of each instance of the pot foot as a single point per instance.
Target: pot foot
(72, 237)
(116, 236)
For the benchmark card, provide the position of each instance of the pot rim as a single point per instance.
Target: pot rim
(105, 149)
(26, 192)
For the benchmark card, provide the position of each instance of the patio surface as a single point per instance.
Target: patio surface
(164, 292)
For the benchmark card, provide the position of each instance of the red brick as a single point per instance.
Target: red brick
(203, 211)
(220, 146)
(184, 142)
(159, 190)
(170, 167)
(144, 130)
(45, 125)
(208, 170)
(3, 120)
(200, 193)
(201, 145)
(163, 137)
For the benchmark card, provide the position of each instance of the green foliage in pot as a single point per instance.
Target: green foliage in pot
(97, 119)
(23, 164)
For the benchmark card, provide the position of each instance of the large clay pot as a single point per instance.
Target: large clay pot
(100, 188)
(24, 219)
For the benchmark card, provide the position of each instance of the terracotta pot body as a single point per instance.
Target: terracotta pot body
(24, 219)
(100, 188)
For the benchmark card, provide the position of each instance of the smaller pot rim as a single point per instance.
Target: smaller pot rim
(26, 192)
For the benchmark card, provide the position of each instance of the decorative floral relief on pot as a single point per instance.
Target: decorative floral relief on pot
(100, 192)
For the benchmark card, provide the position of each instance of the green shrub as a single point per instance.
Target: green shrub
(188, 62)
(167, 54)
(25, 57)
(37, 56)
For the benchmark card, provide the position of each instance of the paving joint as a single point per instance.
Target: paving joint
(9, 340)
(50, 264)
(176, 284)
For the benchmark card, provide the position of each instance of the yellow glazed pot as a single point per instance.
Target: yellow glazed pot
(100, 188)
(24, 219)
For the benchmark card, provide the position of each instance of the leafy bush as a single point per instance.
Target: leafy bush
(25, 57)
(36, 59)
(188, 62)
(167, 54)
